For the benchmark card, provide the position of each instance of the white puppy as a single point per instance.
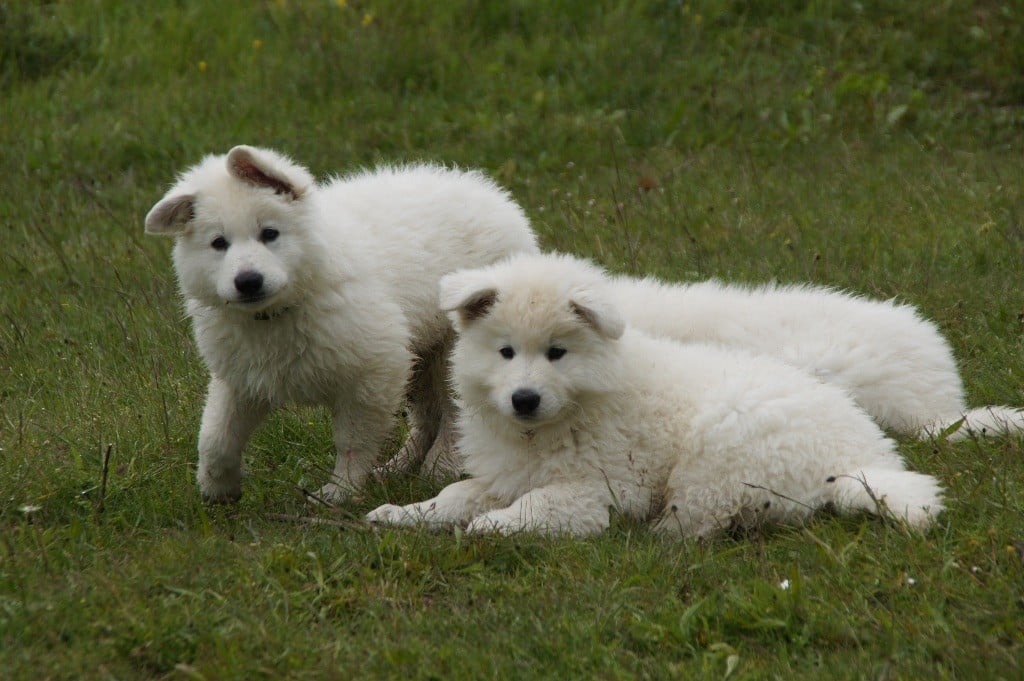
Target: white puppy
(326, 294)
(565, 413)
(894, 363)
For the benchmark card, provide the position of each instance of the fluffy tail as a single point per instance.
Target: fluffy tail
(915, 498)
(995, 420)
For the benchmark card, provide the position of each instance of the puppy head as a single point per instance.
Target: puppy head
(240, 222)
(537, 340)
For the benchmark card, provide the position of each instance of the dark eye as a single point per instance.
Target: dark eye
(507, 352)
(555, 353)
(220, 244)
(268, 234)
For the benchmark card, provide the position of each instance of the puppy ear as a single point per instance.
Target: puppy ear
(603, 318)
(264, 168)
(467, 295)
(171, 214)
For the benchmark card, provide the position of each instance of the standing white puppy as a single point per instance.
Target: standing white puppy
(565, 413)
(326, 294)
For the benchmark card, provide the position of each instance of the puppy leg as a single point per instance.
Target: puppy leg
(427, 395)
(363, 418)
(555, 509)
(698, 504)
(912, 497)
(443, 460)
(228, 422)
(696, 510)
(455, 505)
(359, 432)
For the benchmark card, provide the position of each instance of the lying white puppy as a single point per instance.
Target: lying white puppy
(895, 364)
(565, 413)
(326, 294)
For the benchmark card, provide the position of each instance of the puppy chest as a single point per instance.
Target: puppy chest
(278, 369)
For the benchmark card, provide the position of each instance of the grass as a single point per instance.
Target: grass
(874, 146)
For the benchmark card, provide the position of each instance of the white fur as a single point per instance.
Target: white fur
(347, 315)
(691, 435)
(894, 363)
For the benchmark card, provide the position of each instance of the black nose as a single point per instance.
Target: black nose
(525, 401)
(248, 283)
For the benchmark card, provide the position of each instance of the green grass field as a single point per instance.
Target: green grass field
(876, 146)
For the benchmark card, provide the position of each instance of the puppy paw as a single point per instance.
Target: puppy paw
(227, 497)
(226, 490)
(410, 454)
(390, 514)
(398, 464)
(333, 493)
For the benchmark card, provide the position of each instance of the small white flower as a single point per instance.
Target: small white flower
(911, 581)
(784, 584)
(975, 569)
(30, 508)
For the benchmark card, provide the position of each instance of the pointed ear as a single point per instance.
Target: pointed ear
(601, 317)
(467, 295)
(171, 214)
(264, 168)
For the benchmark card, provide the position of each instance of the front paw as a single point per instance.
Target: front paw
(334, 494)
(220, 490)
(390, 514)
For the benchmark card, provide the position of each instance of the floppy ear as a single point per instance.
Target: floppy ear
(171, 214)
(601, 317)
(263, 168)
(469, 295)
